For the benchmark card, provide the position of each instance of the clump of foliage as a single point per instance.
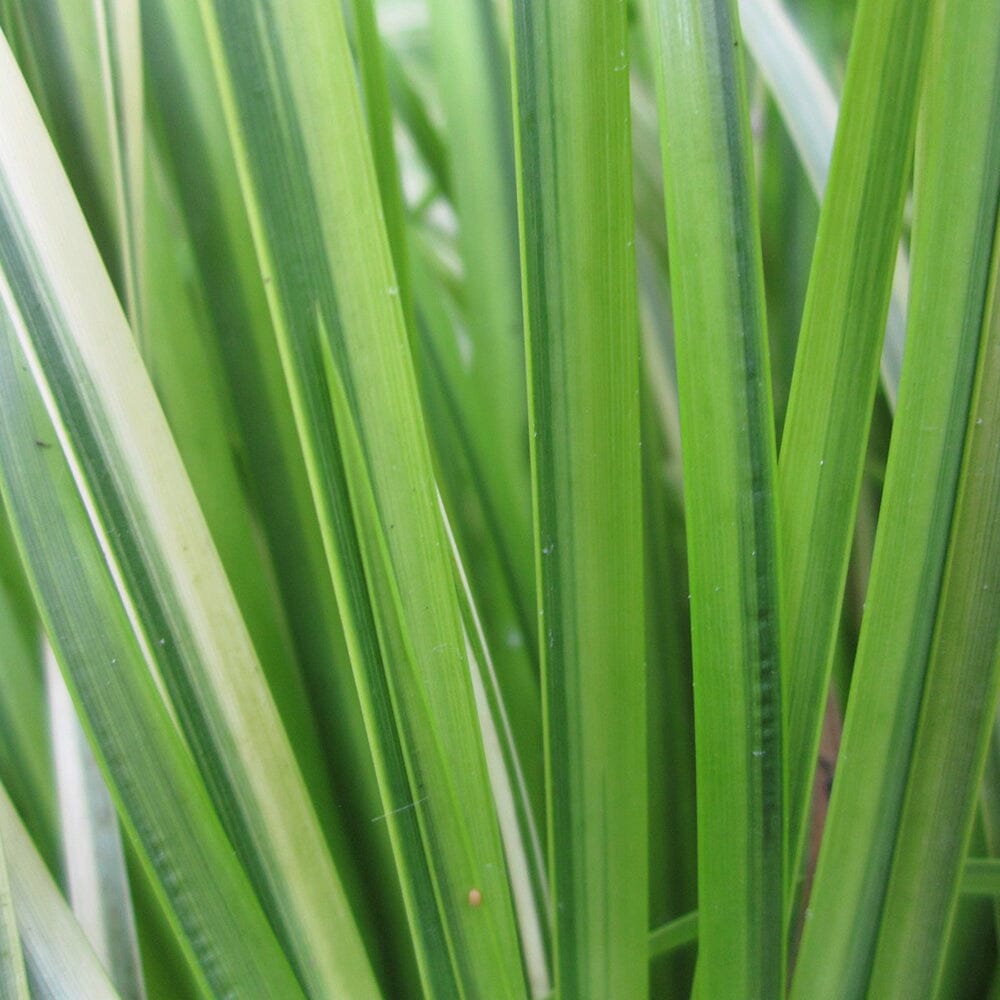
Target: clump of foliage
(500, 499)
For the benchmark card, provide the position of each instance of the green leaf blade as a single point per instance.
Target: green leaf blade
(191, 145)
(145, 762)
(63, 318)
(311, 192)
(13, 977)
(729, 488)
(809, 111)
(582, 345)
(956, 192)
(92, 850)
(25, 763)
(958, 188)
(836, 366)
(58, 960)
(474, 86)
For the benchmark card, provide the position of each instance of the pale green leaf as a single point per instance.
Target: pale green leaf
(97, 884)
(57, 956)
(13, 978)
(63, 321)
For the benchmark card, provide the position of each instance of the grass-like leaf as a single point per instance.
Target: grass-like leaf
(963, 666)
(960, 698)
(194, 164)
(836, 365)
(388, 454)
(58, 959)
(729, 479)
(334, 295)
(474, 86)
(119, 45)
(84, 65)
(956, 192)
(409, 702)
(582, 345)
(522, 843)
(25, 760)
(13, 978)
(809, 110)
(93, 856)
(62, 321)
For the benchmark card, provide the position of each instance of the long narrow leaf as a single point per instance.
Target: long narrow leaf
(449, 401)
(729, 483)
(410, 703)
(956, 196)
(13, 978)
(58, 959)
(310, 188)
(189, 383)
(809, 111)
(62, 318)
(191, 145)
(578, 279)
(25, 760)
(378, 114)
(162, 310)
(473, 371)
(474, 87)
(119, 44)
(93, 854)
(522, 844)
(474, 477)
(836, 365)
(963, 670)
(83, 62)
(155, 783)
